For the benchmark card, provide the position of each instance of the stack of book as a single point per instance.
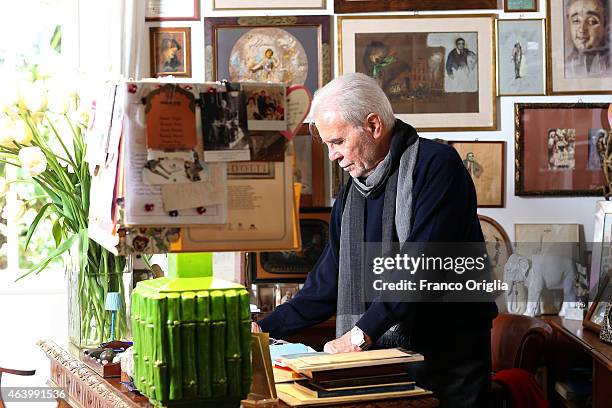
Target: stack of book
(366, 375)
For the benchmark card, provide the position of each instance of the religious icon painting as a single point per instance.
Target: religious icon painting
(170, 51)
(292, 50)
(485, 162)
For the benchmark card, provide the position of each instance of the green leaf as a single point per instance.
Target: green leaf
(34, 224)
(56, 252)
(57, 232)
(83, 248)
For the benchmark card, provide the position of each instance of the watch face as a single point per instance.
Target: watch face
(357, 338)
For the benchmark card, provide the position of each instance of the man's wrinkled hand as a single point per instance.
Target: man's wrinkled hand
(341, 345)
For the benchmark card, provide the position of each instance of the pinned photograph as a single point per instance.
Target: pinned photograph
(225, 127)
(267, 146)
(597, 142)
(180, 167)
(561, 148)
(265, 107)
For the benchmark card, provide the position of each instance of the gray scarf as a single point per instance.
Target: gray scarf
(394, 176)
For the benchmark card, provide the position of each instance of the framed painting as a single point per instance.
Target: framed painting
(170, 51)
(362, 6)
(499, 247)
(172, 10)
(601, 256)
(520, 6)
(520, 57)
(597, 309)
(309, 170)
(293, 266)
(579, 55)
(269, 5)
(286, 49)
(485, 161)
(438, 72)
(556, 148)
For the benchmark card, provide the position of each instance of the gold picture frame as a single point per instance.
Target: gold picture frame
(269, 5)
(450, 86)
(170, 51)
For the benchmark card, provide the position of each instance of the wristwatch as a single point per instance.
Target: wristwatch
(358, 338)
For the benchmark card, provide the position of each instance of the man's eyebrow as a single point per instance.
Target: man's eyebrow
(335, 140)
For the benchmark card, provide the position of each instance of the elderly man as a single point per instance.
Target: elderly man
(402, 189)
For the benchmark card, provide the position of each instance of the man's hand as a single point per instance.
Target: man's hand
(341, 345)
(255, 328)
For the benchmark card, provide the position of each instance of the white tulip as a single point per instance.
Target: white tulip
(23, 133)
(13, 210)
(34, 98)
(33, 160)
(3, 186)
(7, 133)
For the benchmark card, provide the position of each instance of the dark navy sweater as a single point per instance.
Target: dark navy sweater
(443, 210)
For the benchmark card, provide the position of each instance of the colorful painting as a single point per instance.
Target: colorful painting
(422, 72)
(268, 54)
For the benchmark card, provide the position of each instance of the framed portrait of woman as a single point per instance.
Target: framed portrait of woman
(579, 57)
(170, 51)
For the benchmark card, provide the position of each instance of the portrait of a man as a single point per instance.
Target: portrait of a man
(587, 44)
(461, 68)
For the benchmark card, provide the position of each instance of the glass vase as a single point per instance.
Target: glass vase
(89, 324)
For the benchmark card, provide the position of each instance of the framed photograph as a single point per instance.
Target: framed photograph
(486, 163)
(552, 148)
(293, 266)
(309, 158)
(287, 49)
(597, 309)
(438, 72)
(362, 6)
(520, 57)
(499, 247)
(269, 5)
(601, 256)
(172, 10)
(170, 51)
(520, 5)
(579, 55)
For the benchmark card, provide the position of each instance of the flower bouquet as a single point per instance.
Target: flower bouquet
(47, 142)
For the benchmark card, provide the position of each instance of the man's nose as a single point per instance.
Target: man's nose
(334, 154)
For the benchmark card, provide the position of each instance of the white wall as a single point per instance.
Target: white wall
(518, 209)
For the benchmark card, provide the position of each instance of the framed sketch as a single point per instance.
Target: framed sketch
(601, 256)
(172, 10)
(552, 142)
(286, 49)
(293, 266)
(170, 51)
(268, 4)
(520, 5)
(485, 161)
(499, 247)
(438, 72)
(579, 55)
(309, 170)
(597, 309)
(362, 6)
(520, 57)
(565, 240)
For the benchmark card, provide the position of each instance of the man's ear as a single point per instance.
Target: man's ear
(375, 125)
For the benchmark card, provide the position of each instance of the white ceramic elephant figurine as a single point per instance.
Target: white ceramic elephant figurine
(542, 272)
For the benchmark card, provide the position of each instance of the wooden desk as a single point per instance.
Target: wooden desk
(573, 344)
(86, 389)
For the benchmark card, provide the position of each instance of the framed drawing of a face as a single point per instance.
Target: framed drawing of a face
(438, 71)
(289, 50)
(170, 51)
(552, 148)
(485, 161)
(361, 6)
(520, 57)
(579, 56)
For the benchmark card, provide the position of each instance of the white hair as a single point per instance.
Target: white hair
(353, 96)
